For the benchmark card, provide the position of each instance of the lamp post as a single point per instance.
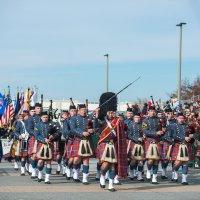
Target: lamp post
(107, 72)
(180, 60)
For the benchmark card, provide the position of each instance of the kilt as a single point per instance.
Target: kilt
(31, 144)
(56, 150)
(166, 150)
(100, 150)
(146, 147)
(175, 151)
(39, 146)
(72, 148)
(16, 150)
(66, 150)
(133, 153)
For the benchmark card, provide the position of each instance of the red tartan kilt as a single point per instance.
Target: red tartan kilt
(147, 144)
(39, 145)
(100, 150)
(56, 150)
(71, 149)
(31, 142)
(164, 150)
(175, 150)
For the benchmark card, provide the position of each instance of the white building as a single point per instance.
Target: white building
(64, 105)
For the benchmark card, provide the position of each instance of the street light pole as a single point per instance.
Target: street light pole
(180, 61)
(107, 72)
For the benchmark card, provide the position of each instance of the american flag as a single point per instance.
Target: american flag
(8, 113)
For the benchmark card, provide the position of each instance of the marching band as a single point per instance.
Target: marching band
(131, 146)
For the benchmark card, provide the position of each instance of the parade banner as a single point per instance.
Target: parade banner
(6, 146)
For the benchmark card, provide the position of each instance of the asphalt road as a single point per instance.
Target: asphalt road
(15, 187)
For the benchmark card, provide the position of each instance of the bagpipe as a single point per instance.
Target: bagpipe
(52, 112)
(72, 103)
(155, 104)
(86, 144)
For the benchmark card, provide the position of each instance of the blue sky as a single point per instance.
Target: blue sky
(58, 45)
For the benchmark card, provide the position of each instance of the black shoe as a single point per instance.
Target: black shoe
(77, 181)
(164, 177)
(85, 183)
(29, 173)
(39, 180)
(155, 183)
(102, 186)
(57, 172)
(33, 177)
(133, 178)
(22, 174)
(64, 174)
(174, 180)
(112, 190)
(67, 178)
(185, 183)
(48, 182)
(148, 179)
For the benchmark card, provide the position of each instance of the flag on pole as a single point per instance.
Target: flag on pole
(27, 97)
(8, 112)
(3, 104)
(17, 104)
(33, 98)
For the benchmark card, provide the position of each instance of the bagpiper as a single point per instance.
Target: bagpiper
(65, 131)
(181, 151)
(112, 146)
(32, 143)
(46, 133)
(153, 131)
(135, 148)
(82, 127)
(166, 141)
(69, 137)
